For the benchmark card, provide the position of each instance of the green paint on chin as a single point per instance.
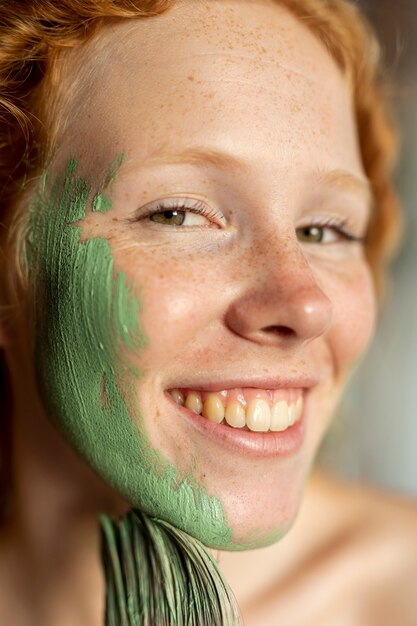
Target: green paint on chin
(87, 322)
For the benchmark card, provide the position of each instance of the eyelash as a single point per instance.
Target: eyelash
(196, 206)
(340, 226)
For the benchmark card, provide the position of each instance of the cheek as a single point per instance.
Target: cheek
(89, 323)
(172, 313)
(178, 300)
(354, 318)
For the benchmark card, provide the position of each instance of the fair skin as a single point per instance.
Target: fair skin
(299, 312)
(349, 560)
(276, 306)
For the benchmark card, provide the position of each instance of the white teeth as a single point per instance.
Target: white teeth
(291, 414)
(235, 414)
(194, 403)
(258, 415)
(213, 409)
(298, 409)
(280, 416)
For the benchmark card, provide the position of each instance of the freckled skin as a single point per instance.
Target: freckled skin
(87, 323)
(245, 77)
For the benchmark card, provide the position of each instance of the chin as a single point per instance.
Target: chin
(261, 509)
(256, 479)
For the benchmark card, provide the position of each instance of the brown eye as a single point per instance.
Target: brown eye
(310, 234)
(169, 218)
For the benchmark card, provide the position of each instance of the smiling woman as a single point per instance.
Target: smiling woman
(198, 211)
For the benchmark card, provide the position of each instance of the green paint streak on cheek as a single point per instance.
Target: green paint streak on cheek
(86, 323)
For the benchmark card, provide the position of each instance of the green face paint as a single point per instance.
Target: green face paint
(87, 322)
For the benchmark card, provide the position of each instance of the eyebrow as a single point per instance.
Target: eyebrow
(347, 181)
(197, 155)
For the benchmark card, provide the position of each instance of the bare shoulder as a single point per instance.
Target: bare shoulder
(370, 516)
(350, 558)
(371, 510)
(381, 546)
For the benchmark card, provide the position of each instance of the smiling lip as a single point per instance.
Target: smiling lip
(256, 445)
(264, 383)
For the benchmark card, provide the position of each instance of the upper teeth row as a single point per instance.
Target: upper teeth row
(258, 415)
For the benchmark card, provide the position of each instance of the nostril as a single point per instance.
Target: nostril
(284, 331)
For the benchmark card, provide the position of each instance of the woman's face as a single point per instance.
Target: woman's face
(255, 300)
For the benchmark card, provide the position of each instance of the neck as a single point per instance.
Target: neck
(50, 544)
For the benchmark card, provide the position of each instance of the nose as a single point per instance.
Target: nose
(281, 301)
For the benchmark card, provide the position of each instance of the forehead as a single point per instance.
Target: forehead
(240, 75)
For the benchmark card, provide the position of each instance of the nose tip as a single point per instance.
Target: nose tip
(286, 314)
(308, 316)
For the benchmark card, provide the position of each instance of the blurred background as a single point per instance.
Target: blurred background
(374, 438)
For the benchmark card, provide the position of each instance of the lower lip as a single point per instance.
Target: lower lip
(256, 445)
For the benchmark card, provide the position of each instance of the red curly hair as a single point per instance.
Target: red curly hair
(34, 36)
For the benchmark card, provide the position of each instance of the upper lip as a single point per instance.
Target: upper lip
(268, 383)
